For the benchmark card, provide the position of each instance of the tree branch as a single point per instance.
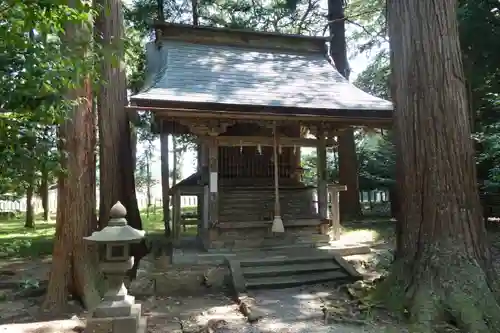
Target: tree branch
(310, 7)
(349, 20)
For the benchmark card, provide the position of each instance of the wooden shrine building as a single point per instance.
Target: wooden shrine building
(250, 98)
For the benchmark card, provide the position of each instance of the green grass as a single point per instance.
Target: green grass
(382, 231)
(18, 241)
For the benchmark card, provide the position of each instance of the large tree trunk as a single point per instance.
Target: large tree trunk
(30, 216)
(116, 156)
(44, 193)
(348, 164)
(443, 264)
(74, 261)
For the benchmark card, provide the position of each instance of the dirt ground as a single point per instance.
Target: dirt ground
(291, 310)
(295, 310)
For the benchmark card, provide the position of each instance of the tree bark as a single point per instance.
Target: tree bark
(44, 193)
(443, 264)
(194, 7)
(348, 163)
(30, 216)
(394, 201)
(116, 153)
(74, 262)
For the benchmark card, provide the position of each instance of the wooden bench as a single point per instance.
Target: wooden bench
(188, 219)
(7, 215)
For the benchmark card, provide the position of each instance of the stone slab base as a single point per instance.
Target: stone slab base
(190, 278)
(194, 273)
(262, 237)
(134, 323)
(346, 250)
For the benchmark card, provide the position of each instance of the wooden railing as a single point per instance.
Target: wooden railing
(247, 162)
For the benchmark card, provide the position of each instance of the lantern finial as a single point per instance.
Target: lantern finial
(118, 211)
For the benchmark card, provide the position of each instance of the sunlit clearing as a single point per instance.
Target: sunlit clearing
(360, 236)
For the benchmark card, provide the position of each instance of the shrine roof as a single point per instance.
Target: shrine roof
(296, 73)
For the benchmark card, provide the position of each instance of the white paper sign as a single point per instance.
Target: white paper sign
(213, 182)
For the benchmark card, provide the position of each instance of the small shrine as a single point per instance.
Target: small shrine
(252, 100)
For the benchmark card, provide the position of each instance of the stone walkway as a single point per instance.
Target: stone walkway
(298, 310)
(294, 310)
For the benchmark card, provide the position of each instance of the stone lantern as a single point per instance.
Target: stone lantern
(117, 312)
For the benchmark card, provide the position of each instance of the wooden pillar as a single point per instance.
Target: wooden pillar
(202, 163)
(277, 226)
(350, 206)
(213, 181)
(321, 174)
(165, 182)
(199, 163)
(176, 223)
(297, 176)
(335, 211)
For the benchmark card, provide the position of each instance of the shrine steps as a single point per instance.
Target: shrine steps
(289, 270)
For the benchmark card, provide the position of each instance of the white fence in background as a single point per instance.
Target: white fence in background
(186, 201)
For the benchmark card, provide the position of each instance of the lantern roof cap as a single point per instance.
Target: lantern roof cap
(117, 231)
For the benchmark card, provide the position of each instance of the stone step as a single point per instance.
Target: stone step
(273, 261)
(281, 269)
(294, 280)
(289, 268)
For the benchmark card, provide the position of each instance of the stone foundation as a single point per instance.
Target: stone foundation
(237, 238)
(156, 278)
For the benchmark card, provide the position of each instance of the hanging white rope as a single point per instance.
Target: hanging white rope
(277, 221)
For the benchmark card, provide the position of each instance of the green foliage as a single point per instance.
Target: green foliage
(34, 80)
(135, 59)
(476, 18)
(369, 30)
(298, 16)
(375, 77)
(482, 18)
(377, 162)
(308, 163)
(143, 175)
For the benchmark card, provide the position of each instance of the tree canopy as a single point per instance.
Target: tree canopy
(33, 81)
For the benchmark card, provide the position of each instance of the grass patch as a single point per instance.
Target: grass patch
(18, 241)
(377, 231)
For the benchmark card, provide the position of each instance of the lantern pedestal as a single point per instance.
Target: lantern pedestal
(117, 313)
(133, 323)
